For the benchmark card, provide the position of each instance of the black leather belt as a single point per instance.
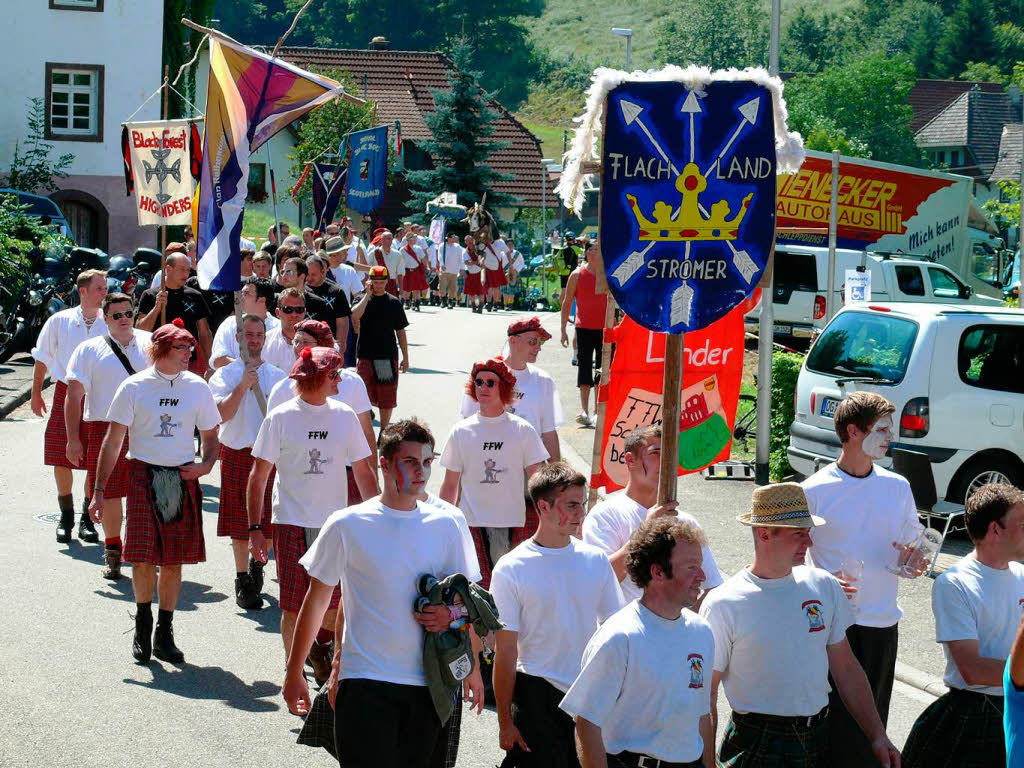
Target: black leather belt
(645, 761)
(754, 718)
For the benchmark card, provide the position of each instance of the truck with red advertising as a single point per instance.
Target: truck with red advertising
(885, 210)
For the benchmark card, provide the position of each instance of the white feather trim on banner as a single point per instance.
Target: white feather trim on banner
(789, 145)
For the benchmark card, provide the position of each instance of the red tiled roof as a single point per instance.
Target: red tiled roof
(400, 83)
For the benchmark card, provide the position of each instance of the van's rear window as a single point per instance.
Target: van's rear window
(796, 271)
(864, 344)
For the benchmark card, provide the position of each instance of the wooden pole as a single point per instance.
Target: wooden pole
(671, 392)
(163, 227)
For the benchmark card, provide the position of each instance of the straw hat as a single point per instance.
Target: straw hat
(783, 505)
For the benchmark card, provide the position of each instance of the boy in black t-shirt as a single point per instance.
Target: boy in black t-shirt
(380, 324)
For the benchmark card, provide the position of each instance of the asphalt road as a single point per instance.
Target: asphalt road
(70, 693)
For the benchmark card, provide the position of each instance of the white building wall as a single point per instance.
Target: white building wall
(126, 38)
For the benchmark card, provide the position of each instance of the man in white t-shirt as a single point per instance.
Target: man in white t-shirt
(378, 551)
(641, 697)
(387, 254)
(450, 254)
(977, 605)
(241, 418)
(310, 439)
(495, 255)
(552, 592)
(95, 371)
(415, 286)
(342, 272)
(488, 458)
(58, 338)
(871, 518)
(611, 522)
(534, 396)
(351, 392)
(257, 298)
(291, 310)
(779, 631)
(159, 409)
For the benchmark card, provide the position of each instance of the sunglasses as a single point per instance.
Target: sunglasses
(489, 383)
(128, 313)
(181, 347)
(294, 310)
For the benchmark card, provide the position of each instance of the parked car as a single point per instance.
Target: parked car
(955, 374)
(801, 276)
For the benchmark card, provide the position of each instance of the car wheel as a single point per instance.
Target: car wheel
(984, 470)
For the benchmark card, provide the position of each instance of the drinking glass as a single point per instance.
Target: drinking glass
(919, 551)
(852, 570)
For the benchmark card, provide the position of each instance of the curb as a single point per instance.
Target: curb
(20, 396)
(922, 681)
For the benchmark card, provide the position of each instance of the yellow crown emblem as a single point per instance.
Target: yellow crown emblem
(689, 224)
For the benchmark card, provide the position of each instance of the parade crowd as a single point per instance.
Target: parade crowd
(617, 627)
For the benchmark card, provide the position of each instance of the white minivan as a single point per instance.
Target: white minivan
(955, 374)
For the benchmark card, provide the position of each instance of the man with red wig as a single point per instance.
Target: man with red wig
(96, 369)
(159, 409)
(232, 387)
(489, 457)
(381, 322)
(310, 439)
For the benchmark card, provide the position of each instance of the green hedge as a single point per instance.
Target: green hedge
(785, 370)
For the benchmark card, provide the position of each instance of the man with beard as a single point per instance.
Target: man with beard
(257, 298)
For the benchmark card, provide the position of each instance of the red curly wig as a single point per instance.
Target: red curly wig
(506, 379)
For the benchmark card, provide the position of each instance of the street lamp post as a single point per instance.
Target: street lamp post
(628, 34)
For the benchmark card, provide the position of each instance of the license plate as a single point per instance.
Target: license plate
(828, 407)
(784, 330)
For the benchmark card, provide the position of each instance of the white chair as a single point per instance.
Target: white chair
(917, 468)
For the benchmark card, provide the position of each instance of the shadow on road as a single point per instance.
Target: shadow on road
(211, 683)
(192, 594)
(268, 618)
(89, 553)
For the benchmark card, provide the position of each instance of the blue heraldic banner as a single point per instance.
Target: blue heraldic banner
(368, 169)
(687, 199)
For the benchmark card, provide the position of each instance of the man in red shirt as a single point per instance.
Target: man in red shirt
(590, 313)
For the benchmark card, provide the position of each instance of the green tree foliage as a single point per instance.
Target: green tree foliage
(910, 28)
(31, 169)
(785, 371)
(969, 35)
(983, 72)
(811, 42)
(714, 33)
(461, 125)
(19, 234)
(180, 45)
(864, 101)
(1005, 211)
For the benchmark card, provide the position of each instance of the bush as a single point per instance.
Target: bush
(785, 370)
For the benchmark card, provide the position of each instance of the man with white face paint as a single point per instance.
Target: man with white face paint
(871, 518)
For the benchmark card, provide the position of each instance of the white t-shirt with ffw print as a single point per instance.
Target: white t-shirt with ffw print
(534, 397)
(310, 444)
(162, 414)
(492, 454)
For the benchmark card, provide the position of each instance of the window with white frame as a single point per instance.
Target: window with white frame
(74, 102)
(76, 5)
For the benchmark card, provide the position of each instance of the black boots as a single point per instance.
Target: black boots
(163, 641)
(256, 573)
(67, 519)
(142, 643)
(86, 529)
(112, 557)
(247, 596)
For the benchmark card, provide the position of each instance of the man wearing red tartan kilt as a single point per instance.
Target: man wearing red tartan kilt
(310, 438)
(241, 415)
(59, 336)
(495, 255)
(474, 285)
(415, 285)
(95, 371)
(159, 409)
(490, 455)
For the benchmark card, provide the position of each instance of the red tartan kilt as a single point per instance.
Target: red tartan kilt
(232, 517)
(198, 364)
(415, 280)
(518, 536)
(473, 286)
(93, 433)
(149, 541)
(290, 545)
(55, 441)
(496, 278)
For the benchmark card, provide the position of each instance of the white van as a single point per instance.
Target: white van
(955, 374)
(801, 274)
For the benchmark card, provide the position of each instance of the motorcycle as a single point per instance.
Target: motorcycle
(48, 291)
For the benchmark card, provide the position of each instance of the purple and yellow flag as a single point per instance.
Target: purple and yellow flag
(250, 97)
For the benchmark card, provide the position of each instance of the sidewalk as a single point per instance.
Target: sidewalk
(16, 382)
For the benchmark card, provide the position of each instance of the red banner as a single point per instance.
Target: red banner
(712, 371)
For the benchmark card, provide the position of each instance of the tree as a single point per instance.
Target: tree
(968, 36)
(810, 42)
(910, 29)
(714, 33)
(863, 101)
(32, 170)
(180, 44)
(983, 72)
(460, 124)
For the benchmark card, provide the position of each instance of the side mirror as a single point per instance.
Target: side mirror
(966, 291)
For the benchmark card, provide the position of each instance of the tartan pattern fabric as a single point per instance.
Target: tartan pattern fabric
(415, 279)
(961, 729)
(232, 517)
(290, 545)
(354, 497)
(517, 537)
(750, 742)
(495, 278)
(55, 441)
(381, 395)
(93, 433)
(150, 540)
(451, 733)
(474, 286)
(318, 727)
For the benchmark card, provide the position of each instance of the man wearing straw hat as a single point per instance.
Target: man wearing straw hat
(642, 698)
(779, 630)
(872, 520)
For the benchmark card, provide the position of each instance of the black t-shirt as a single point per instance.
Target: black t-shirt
(219, 303)
(316, 308)
(384, 316)
(186, 303)
(336, 303)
